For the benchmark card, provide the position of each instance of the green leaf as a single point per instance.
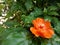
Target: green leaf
(44, 41)
(55, 40)
(53, 13)
(9, 2)
(12, 9)
(49, 18)
(15, 8)
(57, 28)
(58, 4)
(11, 23)
(2, 6)
(23, 37)
(54, 21)
(36, 12)
(45, 10)
(29, 19)
(1, 32)
(6, 31)
(52, 8)
(28, 4)
(56, 25)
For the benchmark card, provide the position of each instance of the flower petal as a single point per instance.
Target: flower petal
(34, 31)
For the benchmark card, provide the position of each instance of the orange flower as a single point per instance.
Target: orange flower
(42, 28)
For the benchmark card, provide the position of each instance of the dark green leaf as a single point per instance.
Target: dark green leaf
(19, 38)
(57, 28)
(36, 12)
(49, 18)
(11, 23)
(29, 4)
(29, 19)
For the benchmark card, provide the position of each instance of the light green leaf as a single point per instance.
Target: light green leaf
(58, 4)
(45, 11)
(53, 13)
(2, 6)
(52, 8)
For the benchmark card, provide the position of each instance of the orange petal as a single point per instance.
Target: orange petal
(51, 31)
(47, 24)
(35, 24)
(38, 22)
(34, 31)
(45, 33)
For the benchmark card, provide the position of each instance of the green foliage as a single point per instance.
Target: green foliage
(36, 12)
(28, 4)
(1, 7)
(17, 36)
(16, 31)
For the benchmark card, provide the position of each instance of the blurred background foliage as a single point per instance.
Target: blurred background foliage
(20, 13)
